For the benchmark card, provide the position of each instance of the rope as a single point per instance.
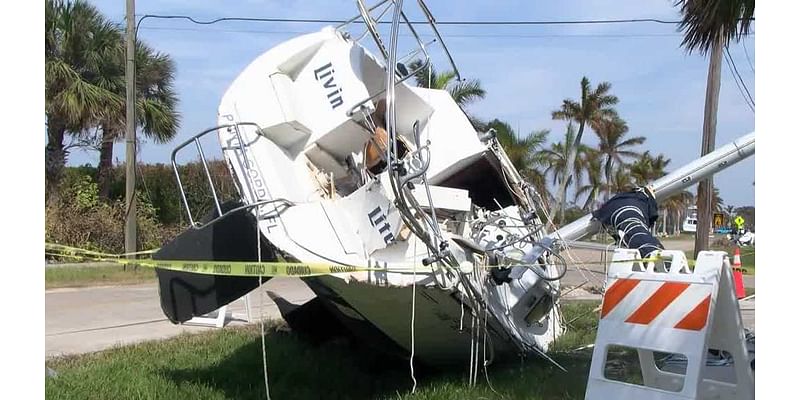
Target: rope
(413, 315)
(461, 320)
(477, 329)
(471, 347)
(261, 304)
(487, 337)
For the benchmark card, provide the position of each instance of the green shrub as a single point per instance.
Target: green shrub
(78, 218)
(157, 182)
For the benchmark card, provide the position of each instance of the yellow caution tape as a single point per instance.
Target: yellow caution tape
(75, 251)
(242, 268)
(227, 268)
(251, 268)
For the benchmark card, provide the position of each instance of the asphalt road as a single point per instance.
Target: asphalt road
(590, 272)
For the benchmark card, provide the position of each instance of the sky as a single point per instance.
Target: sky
(526, 71)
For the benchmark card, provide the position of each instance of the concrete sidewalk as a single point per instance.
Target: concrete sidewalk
(92, 319)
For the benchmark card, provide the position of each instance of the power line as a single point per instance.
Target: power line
(281, 32)
(340, 21)
(741, 92)
(748, 56)
(739, 76)
(738, 86)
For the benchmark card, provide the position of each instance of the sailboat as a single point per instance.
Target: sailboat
(339, 159)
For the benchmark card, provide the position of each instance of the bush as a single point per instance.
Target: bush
(157, 182)
(77, 218)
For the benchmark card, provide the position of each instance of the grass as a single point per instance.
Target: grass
(62, 277)
(748, 256)
(226, 364)
(680, 236)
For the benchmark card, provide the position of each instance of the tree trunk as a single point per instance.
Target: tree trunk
(54, 156)
(671, 225)
(106, 164)
(674, 214)
(706, 186)
(569, 170)
(609, 166)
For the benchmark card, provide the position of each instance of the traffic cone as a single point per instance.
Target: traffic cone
(738, 279)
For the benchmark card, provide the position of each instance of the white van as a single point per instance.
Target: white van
(690, 224)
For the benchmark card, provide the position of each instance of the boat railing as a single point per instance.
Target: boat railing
(242, 159)
(371, 22)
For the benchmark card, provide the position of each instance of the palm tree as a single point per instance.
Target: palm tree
(156, 109)
(729, 209)
(614, 146)
(622, 180)
(596, 185)
(675, 206)
(81, 48)
(648, 168)
(557, 156)
(704, 21)
(710, 25)
(525, 153)
(717, 202)
(595, 105)
(463, 92)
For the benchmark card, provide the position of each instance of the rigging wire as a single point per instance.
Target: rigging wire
(261, 301)
(486, 337)
(578, 264)
(413, 316)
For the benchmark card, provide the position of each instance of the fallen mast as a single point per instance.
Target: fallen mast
(670, 184)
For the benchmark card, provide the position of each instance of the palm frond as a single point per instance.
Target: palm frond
(569, 110)
(704, 21)
(443, 80)
(425, 76)
(465, 92)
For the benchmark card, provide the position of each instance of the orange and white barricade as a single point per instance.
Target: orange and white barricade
(663, 306)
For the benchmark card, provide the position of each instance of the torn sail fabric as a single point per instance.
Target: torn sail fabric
(633, 214)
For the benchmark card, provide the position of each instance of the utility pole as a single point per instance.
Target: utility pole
(706, 187)
(130, 132)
